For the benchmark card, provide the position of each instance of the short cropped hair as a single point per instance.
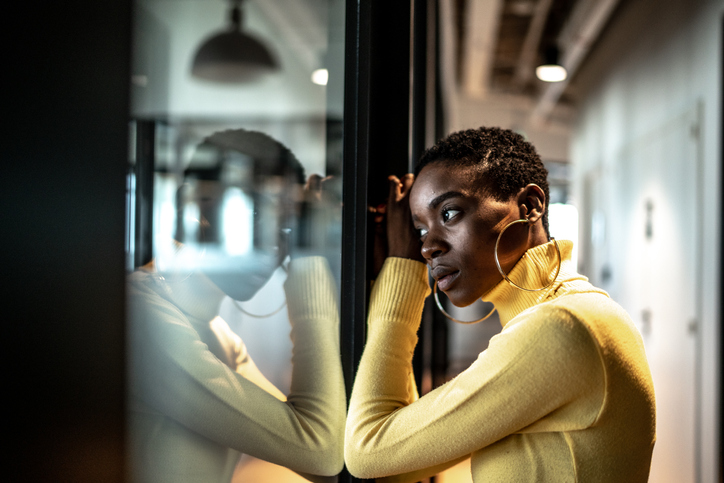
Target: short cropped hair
(270, 157)
(504, 160)
(256, 155)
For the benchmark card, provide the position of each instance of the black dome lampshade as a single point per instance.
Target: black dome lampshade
(233, 56)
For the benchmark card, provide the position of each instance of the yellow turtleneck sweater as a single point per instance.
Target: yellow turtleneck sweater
(196, 400)
(563, 393)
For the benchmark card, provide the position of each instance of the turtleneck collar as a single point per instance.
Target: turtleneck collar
(535, 269)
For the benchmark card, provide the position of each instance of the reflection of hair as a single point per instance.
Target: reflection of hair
(270, 157)
(505, 161)
(264, 156)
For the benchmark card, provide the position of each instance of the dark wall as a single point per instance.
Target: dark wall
(62, 240)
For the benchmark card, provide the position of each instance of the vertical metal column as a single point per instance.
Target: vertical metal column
(145, 154)
(353, 300)
(376, 144)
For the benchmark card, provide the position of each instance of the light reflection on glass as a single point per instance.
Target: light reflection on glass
(238, 213)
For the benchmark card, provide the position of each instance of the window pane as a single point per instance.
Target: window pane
(234, 231)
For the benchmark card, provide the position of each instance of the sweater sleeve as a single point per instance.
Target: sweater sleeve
(179, 377)
(527, 380)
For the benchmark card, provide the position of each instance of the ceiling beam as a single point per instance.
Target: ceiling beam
(577, 37)
(527, 59)
(482, 18)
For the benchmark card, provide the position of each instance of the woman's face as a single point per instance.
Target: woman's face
(245, 246)
(459, 223)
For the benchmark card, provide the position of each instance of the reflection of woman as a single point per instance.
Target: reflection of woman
(563, 393)
(196, 397)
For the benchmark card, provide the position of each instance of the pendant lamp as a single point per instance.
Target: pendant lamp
(233, 56)
(551, 70)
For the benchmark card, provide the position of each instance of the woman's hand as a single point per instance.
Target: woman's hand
(319, 210)
(402, 239)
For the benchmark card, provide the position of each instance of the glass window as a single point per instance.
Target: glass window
(233, 240)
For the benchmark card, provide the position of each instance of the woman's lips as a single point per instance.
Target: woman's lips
(443, 283)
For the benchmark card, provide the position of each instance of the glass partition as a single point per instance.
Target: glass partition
(234, 239)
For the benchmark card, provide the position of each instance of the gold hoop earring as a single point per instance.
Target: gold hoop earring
(505, 276)
(439, 306)
(264, 316)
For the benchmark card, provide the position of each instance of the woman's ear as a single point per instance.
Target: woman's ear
(532, 203)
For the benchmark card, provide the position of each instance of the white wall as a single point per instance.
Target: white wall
(650, 102)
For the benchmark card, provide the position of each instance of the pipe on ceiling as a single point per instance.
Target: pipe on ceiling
(577, 37)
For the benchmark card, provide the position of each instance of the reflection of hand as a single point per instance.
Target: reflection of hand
(318, 212)
(313, 188)
(402, 240)
(320, 190)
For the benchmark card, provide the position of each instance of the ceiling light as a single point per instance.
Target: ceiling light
(232, 56)
(320, 77)
(551, 70)
(551, 73)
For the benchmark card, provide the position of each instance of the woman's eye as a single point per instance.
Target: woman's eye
(448, 215)
(422, 232)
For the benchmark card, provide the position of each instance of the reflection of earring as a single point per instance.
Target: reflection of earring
(439, 306)
(264, 316)
(500, 269)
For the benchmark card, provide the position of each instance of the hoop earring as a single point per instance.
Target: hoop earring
(264, 316)
(439, 306)
(505, 276)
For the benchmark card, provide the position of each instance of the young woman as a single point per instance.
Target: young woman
(563, 393)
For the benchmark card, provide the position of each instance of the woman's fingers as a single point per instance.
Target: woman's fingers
(312, 189)
(406, 184)
(402, 240)
(314, 183)
(394, 185)
(399, 188)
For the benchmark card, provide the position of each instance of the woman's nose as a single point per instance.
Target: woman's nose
(433, 246)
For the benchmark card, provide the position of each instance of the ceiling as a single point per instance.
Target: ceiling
(500, 42)
(517, 18)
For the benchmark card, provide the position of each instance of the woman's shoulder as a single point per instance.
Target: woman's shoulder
(592, 308)
(591, 312)
(604, 320)
(550, 319)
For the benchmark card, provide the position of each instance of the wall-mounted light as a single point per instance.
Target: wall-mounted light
(233, 56)
(551, 70)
